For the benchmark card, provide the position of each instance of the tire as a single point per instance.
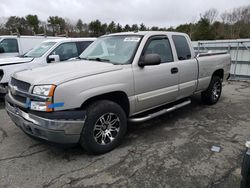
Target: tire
(104, 128)
(213, 92)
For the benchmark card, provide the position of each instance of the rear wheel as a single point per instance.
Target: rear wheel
(104, 128)
(213, 92)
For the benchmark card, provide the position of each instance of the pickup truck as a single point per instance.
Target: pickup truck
(49, 51)
(123, 77)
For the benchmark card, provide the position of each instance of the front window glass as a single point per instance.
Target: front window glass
(9, 45)
(113, 49)
(160, 46)
(39, 50)
(66, 51)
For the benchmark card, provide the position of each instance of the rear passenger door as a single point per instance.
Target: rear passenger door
(158, 84)
(82, 45)
(188, 66)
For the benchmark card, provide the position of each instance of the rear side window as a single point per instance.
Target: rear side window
(182, 47)
(9, 45)
(160, 46)
(82, 45)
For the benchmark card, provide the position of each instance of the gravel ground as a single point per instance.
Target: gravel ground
(172, 151)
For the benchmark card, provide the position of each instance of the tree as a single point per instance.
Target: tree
(111, 27)
(211, 15)
(134, 27)
(33, 22)
(104, 28)
(57, 24)
(126, 28)
(154, 28)
(79, 25)
(142, 27)
(118, 28)
(16, 24)
(95, 27)
(203, 30)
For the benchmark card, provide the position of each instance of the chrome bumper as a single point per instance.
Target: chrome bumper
(59, 131)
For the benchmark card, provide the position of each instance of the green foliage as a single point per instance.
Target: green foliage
(79, 25)
(33, 22)
(203, 30)
(57, 24)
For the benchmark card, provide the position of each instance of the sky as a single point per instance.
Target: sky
(162, 13)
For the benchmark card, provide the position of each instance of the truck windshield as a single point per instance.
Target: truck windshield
(39, 50)
(118, 49)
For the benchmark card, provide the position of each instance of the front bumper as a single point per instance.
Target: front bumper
(54, 130)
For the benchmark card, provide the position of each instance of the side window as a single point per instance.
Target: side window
(182, 47)
(9, 45)
(160, 46)
(82, 45)
(66, 51)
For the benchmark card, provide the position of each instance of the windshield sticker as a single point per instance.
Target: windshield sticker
(132, 39)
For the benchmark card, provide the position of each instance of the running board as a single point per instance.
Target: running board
(161, 112)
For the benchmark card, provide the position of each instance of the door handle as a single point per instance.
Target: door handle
(174, 70)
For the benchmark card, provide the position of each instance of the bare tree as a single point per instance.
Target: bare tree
(211, 15)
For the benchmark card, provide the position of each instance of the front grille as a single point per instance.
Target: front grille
(24, 86)
(19, 98)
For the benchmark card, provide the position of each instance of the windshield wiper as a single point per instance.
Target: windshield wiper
(98, 59)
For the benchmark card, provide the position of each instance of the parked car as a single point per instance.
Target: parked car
(245, 169)
(47, 52)
(122, 77)
(11, 46)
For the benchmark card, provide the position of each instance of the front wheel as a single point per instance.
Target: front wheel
(104, 128)
(213, 92)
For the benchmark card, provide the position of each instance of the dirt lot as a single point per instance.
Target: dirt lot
(170, 151)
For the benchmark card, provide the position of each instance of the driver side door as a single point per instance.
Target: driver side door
(158, 84)
(65, 51)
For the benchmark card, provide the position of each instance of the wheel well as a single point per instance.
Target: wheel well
(118, 97)
(219, 73)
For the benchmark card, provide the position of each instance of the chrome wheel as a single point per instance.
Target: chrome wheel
(216, 90)
(106, 128)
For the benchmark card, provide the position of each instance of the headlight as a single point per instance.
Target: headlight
(44, 90)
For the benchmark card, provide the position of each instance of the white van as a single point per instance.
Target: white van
(47, 52)
(11, 46)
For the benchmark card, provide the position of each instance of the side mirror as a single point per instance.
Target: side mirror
(53, 58)
(150, 59)
(1, 50)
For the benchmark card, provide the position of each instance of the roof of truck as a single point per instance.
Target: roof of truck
(50, 38)
(149, 33)
(25, 36)
(71, 39)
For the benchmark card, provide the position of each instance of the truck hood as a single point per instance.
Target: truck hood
(14, 60)
(63, 72)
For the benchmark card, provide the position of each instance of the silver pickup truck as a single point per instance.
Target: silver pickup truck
(122, 77)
